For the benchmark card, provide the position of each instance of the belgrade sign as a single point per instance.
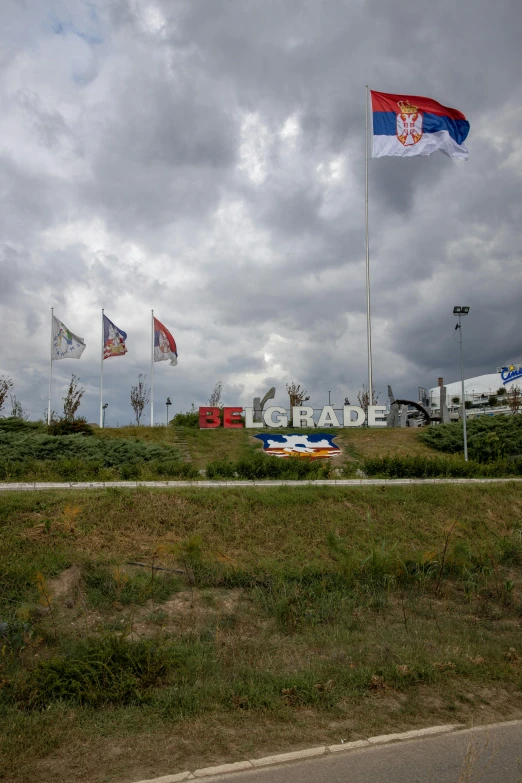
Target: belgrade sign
(276, 416)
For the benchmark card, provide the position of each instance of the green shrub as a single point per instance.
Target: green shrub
(486, 447)
(220, 468)
(63, 426)
(23, 446)
(96, 672)
(130, 470)
(15, 635)
(174, 469)
(15, 424)
(426, 467)
(260, 466)
(31, 454)
(188, 419)
(505, 437)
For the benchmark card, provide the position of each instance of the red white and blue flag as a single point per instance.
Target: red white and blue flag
(113, 339)
(164, 344)
(406, 125)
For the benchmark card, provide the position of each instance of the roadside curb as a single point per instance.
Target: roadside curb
(299, 755)
(81, 485)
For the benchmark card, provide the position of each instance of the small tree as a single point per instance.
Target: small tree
(215, 398)
(6, 384)
(501, 391)
(296, 395)
(72, 400)
(492, 400)
(363, 397)
(17, 410)
(515, 399)
(139, 397)
(455, 400)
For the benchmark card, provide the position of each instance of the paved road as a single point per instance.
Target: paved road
(492, 754)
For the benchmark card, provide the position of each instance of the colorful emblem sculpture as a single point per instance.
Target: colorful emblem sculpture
(312, 445)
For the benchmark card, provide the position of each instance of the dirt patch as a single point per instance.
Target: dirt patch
(66, 586)
(188, 610)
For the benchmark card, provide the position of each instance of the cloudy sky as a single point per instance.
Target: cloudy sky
(205, 158)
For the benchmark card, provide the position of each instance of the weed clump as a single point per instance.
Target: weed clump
(105, 587)
(95, 672)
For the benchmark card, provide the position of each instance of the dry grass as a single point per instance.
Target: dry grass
(378, 658)
(367, 442)
(113, 748)
(251, 525)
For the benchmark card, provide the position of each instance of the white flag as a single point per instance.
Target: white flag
(66, 345)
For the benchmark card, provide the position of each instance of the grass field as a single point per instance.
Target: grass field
(28, 452)
(287, 617)
(204, 445)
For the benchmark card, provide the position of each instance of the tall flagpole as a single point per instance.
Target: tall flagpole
(368, 311)
(152, 371)
(50, 371)
(101, 375)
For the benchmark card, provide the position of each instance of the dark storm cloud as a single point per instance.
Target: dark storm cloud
(207, 160)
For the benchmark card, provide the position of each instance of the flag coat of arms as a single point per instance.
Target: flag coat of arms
(113, 339)
(314, 446)
(164, 344)
(407, 125)
(66, 345)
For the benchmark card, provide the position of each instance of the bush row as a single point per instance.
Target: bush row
(489, 438)
(23, 446)
(259, 466)
(79, 469)
(426, 467)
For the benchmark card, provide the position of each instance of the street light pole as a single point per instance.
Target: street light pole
(460, 311)
(104, 408)
(463, 394)
(167, 404)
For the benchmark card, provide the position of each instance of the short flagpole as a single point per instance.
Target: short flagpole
(152, 371)
(368, 311)
(101, 376)
(50, 370)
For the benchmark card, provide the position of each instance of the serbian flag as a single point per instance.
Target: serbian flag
(406, 125)
(113, 339)
(164, 344)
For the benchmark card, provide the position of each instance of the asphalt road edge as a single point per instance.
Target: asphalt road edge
(299, 755)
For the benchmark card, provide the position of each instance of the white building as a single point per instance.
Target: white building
(480, 388)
